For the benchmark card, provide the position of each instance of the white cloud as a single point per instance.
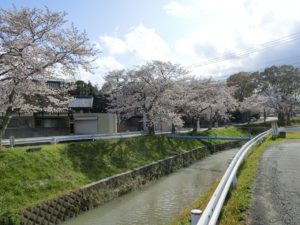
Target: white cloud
(147, 44)
(175, 8)
(222, 29)
(102, 66)
(107, 64)
(230, 27)
(114, 45)
(144, 43)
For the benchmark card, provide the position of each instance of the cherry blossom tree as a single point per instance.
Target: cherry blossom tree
(207, 97)
(195, 98)
(36, 46)
(220, 100)
(257, 102)
(149, 90)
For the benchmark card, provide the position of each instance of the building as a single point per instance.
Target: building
(77, 120)
(38, 125)
(94, 123)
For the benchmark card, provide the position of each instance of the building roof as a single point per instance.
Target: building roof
(81, 102)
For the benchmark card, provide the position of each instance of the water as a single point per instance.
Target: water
(162, 201)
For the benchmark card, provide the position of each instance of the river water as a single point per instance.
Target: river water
(162, 201)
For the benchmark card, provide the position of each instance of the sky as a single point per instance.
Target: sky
(211, 38)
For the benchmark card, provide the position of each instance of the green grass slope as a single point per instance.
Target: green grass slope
(27, 178)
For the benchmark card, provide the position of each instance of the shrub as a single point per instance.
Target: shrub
(9, 218)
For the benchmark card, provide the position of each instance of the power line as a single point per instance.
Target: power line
(278, 60)
(256, 49)
(294, 62)
(274, 43)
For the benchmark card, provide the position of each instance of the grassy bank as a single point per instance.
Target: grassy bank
(224, 132)
(293, 135)
(184, 217)
(27, 178)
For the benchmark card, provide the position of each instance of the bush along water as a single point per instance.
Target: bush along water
(10, 218)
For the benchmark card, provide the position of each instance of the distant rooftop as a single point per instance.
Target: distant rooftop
(86, 102)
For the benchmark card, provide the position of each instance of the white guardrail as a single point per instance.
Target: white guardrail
(57, 139)
(212, 211)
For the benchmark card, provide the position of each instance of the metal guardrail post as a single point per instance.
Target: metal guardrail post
(245, 157)
(195, 216)
(11, 141)
(234, 181)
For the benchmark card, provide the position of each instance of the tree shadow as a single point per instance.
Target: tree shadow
(103, 158)
(92, 158)
(99, 159)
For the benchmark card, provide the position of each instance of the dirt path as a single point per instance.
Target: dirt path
(276, 191)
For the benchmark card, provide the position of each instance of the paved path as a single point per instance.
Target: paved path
(277, 187)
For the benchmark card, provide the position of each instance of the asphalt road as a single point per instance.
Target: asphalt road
(276, 191)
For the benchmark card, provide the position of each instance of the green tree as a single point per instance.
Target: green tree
(244, 84)
(88, 89)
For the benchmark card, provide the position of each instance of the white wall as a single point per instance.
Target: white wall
(92, 123)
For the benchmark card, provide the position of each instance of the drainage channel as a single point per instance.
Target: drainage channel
(161, 201)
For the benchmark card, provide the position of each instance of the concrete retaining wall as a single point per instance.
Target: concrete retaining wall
(90, 196)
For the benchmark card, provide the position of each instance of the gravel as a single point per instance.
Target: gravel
(276, 193)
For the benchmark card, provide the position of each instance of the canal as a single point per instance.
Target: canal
(161, 201)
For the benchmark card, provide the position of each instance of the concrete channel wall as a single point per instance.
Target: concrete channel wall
(92, 195)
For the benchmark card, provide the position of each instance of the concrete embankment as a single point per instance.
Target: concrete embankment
(90, 196)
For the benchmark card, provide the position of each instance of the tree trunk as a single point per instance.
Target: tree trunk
(210, 120)
(194, 125)
(281, 119)
(248, 117)
(7, 116)
(5, 122)
(210, 124)
(198, 124)
(147, 124)
(173, 128)
(288, 121)
(151, 128)
(144, 122)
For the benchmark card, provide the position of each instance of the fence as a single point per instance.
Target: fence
(212, 211)
(67, 138)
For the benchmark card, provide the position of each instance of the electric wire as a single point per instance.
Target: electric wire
(244, 52)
